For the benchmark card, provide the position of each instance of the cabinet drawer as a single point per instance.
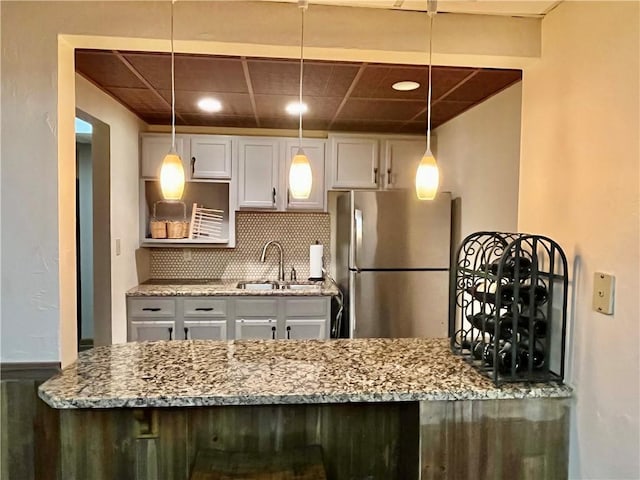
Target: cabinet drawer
(152, 307)
(205, 307)
(306, 307)
(257, 307)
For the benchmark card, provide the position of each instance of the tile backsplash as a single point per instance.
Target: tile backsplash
(295, 231)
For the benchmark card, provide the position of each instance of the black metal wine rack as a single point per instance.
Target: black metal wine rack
(508, 306)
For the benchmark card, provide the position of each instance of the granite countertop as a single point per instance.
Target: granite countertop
(204, 287)
(251, 372)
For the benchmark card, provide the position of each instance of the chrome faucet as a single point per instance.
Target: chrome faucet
(281, 265)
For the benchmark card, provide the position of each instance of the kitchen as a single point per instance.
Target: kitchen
(532, 213)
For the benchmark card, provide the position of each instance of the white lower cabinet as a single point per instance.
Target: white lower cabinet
(304, 329)
(256, 329)
(205, 330)
(228, 318)
(152, 330)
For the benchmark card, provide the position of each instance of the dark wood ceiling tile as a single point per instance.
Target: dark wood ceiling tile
(207, 74)
(486, 83)
(273, 106)
(105, 69)
(446, 110)
(219, 120)
(232, 103)
(366, 126)
(384, 110)
(282, 77)
(292, 124)
(153, 118)
(377, 81)
(140, 100)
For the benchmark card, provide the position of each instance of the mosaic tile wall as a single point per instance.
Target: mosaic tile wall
(295, 231)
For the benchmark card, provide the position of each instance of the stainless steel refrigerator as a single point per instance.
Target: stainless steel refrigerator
(392, 263)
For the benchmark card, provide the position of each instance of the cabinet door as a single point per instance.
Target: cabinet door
(302, 329)
(256, 328)
(354, 162)
(155, 148)
(205, 330)
(258, 175)
(401, 159)
(315, 151)
(149, 330)
(210, 156)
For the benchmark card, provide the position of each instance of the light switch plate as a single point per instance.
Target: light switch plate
(603, 290)
(118, 247)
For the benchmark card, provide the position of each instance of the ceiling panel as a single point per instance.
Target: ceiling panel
(368, 109)
(345, 96)
(140, 99)
(105, 69)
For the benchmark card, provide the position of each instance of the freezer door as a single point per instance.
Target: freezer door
(395, 230)
(399, 304)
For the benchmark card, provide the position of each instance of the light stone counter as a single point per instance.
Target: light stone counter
(260, 372)
(186, 288)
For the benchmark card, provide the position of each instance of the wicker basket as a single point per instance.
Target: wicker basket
(164, 228)
(158, 228)
(177, 229)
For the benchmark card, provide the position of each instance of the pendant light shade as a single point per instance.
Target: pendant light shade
(172, 177)
(172, 171)
(300, 175)
(427, 175)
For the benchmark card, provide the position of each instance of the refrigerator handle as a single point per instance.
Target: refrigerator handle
(358, 224)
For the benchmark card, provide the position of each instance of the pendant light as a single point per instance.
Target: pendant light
(427, 175)
(300, 177)
(172, 171)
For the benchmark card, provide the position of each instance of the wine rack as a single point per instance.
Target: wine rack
(508, 306)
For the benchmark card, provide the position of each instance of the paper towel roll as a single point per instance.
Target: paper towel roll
(315, 261)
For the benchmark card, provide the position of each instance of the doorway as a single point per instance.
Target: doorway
(93, 233)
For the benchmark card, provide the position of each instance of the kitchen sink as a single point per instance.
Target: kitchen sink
(258, 285)
(301, 286)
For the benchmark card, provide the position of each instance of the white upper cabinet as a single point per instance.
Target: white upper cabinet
(258, 173)
(353, 161)
(155, 147)
(211, 157)
(315, 151)
(401, 159)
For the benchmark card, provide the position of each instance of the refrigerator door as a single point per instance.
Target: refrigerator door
(395, 230)
(398, 304)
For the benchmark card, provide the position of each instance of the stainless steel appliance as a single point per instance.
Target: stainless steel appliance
(392, 263)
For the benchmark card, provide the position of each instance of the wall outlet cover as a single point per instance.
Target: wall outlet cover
(603, 292)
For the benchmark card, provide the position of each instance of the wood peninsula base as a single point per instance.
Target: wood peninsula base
(525, 439)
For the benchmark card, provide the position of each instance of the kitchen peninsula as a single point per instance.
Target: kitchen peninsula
(379, 408)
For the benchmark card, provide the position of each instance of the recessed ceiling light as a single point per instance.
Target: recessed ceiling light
(294, 108)
(209, 105)
(405, 86)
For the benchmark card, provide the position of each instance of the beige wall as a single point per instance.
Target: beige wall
(579, 182)
(124, 129)
(479, 159)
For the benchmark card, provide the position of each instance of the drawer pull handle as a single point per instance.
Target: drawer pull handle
(288, 332)
(204, 309)
(151, 309)
(273, 333)
(170, 333)
(186, 333)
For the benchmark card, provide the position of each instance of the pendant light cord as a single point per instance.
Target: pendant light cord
(431, 15)
(173, 89)
(302, 8)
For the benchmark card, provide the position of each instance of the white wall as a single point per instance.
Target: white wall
(124, 130)
(580, 185)
(479, 157)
